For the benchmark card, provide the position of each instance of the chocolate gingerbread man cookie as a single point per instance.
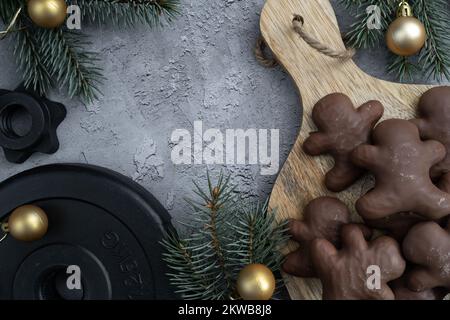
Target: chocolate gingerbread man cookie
(401, 163)
(396, 225)
(341, 128)
(323, 218)
(345, 273)
(434, 123)
(428, 246)
(402, 292)
(444, 183)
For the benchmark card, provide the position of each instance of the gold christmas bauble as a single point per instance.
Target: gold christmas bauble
(256, 282)
(28, 223)
(47, 13)
(406, 35)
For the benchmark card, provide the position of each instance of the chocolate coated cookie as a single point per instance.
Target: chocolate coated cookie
(402, 292)
(322, 218)
(434, 123)
(345, 273)
(401, 163)
(341, 128)
(396, 225)
(428, 246)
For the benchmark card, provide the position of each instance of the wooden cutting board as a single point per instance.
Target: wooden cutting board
(316, 75)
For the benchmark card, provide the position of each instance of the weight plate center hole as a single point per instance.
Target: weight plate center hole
(15, 121)
(53, 285)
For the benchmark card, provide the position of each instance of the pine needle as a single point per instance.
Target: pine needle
(434, 58)
(349, 4)
(59, 56)
(8, 8)
(228, 236)
(31, 64)
(402, 68)
(69, 63)
(360, 36)
(128, 12)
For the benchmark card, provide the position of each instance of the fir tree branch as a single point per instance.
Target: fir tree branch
(227, 237)
(186, 271)
(259, 237)
(72, 66)
(350, 4)
(402, 67)
(208, 268)
(214, 206)
(7, 9)
(434, 57)
(360, 36)
(59, 53)
(128, 12)
(35, 73)
(30, 62)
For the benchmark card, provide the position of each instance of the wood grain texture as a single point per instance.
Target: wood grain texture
(301, 178)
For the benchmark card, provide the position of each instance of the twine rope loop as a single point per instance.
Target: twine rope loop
(298, 23)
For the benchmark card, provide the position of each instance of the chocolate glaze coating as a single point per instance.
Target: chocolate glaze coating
(434, 123)
(341, 128)
(344, 272)
(401, 163)
(402, 292)
(323, 218)
(428, 246)
(444, 182)
(396, 225)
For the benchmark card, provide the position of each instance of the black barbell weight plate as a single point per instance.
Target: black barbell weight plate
(101, 221)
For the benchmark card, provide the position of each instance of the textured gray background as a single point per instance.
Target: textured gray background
(199, 68)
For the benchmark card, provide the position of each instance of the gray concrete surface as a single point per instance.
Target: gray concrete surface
(200, 68)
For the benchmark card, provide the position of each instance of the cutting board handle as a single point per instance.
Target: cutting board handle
(295, 54)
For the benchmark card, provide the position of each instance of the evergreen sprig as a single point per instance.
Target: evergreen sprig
(402, 67)
(434, 58)
(7, 9)
(350, 4)
(127, 12)
(26, 49)
(69, 63)
(360, 36)
(225, 236)
(30, 62)
(58, 57)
